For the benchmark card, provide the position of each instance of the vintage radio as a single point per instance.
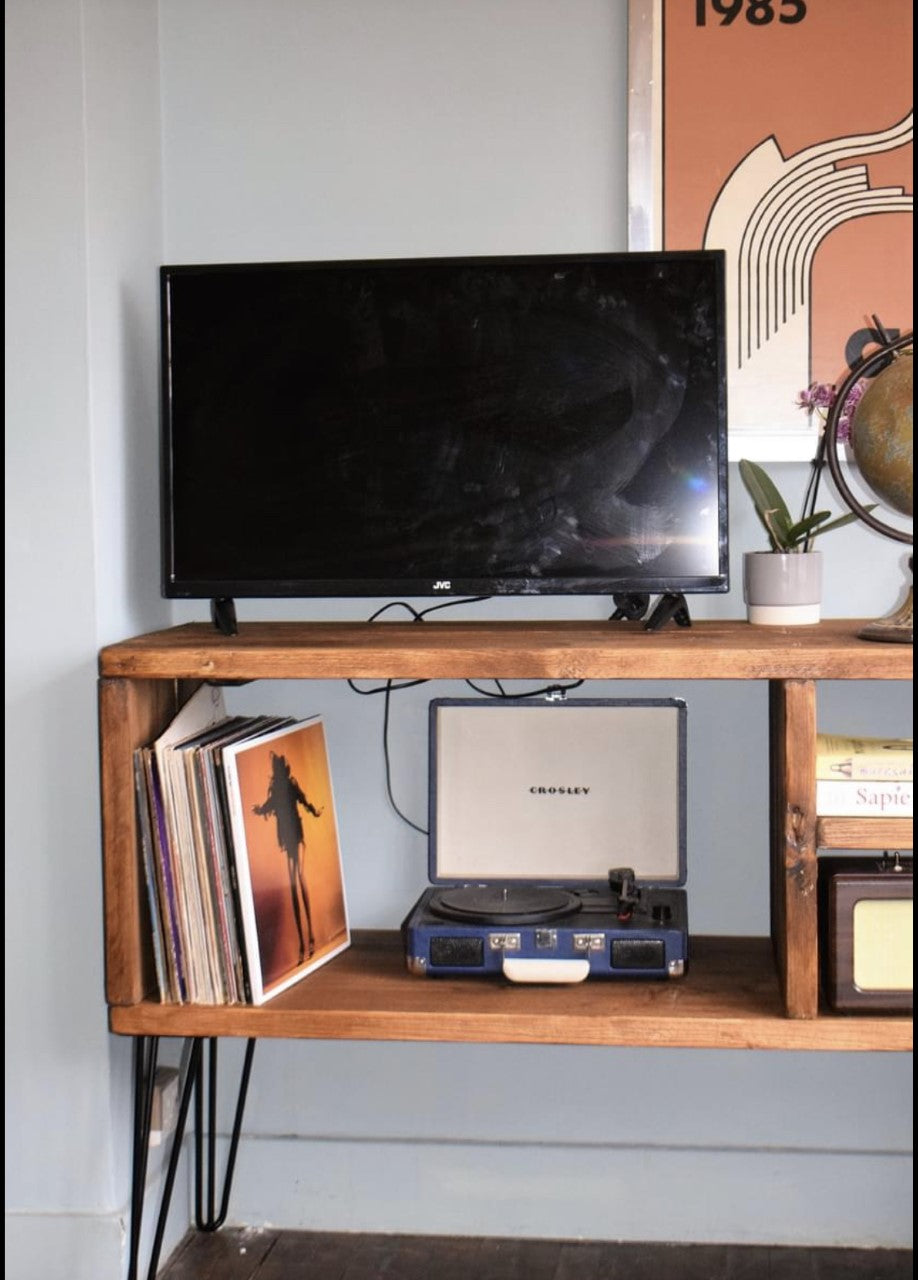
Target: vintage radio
(557, 841)
(865, 917)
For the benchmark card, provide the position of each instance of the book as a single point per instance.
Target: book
(287, 856)
(863, 797)
(874, 759)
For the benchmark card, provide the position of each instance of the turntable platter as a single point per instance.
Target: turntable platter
(509, 904)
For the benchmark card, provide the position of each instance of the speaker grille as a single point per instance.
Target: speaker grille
(459, 950)
(638, 953)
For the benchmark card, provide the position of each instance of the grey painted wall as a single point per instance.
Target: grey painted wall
(222, 129)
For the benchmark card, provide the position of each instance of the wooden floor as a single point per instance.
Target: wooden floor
(266, 1254)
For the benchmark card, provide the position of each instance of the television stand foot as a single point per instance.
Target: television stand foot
(223, 615)
(630, 607)
(669, 606)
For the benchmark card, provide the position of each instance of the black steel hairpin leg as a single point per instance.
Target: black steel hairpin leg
(211, 1222)
(145, 1054)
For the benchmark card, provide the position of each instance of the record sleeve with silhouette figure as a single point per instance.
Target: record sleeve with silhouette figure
(286, 855)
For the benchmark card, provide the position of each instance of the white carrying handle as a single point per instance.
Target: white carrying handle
(520, 970)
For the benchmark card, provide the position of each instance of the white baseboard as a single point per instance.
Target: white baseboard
(42, 1246)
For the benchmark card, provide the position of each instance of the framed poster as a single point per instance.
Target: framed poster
(781, 132)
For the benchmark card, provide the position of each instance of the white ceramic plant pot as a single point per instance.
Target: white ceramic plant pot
(782, 588)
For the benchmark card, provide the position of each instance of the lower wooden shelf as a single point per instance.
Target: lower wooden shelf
(864, 833)
(729, 999)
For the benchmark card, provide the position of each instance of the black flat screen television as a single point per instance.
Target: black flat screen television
(545, 425)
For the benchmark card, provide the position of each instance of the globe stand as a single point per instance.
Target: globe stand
(895, 627)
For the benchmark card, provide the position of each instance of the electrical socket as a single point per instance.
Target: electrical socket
(164, 1114)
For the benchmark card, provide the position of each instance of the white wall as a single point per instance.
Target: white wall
(83, 235)
(380, 129)
(322, 128)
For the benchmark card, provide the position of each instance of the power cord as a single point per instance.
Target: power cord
(391, 686)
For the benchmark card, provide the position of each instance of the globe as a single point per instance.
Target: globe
(881, 446)
(881, 435)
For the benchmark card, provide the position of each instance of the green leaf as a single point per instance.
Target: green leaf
(778, 527)
(807, 528)
(770, 506)
(762, 490)
(785, 533)
(837, 524)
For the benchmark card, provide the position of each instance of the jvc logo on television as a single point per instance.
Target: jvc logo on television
(442, 584)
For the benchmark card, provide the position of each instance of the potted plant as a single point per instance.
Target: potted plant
(783, 585)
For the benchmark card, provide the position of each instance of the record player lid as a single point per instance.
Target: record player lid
(557, 792)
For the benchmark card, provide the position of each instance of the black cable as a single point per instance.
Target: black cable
(423, 830)
(527, 693)
(489, 693)
(391, 687)
(395, 604)
(420, 614)
(382, 688)
(448, 604)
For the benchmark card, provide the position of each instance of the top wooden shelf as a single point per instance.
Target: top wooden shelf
(708, 650)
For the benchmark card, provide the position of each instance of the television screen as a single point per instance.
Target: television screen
(478, 426)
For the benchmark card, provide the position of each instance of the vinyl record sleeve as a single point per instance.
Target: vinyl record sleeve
(286, 854)
(557, 792)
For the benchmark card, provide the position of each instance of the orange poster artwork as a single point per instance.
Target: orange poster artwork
(781, 132)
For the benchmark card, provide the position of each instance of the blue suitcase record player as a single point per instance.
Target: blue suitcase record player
(557, 845)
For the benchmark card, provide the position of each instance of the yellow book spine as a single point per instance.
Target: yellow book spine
(863, 759)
